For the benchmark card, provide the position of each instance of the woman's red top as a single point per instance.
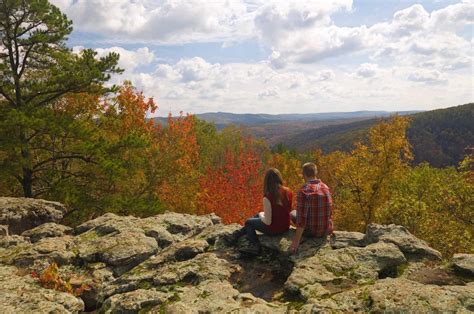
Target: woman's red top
(281, 212)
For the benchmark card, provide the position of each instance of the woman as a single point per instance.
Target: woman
(275, 218)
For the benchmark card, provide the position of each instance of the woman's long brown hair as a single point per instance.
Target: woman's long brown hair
(272, 183)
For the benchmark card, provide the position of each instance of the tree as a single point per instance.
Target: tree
(232, 188)
(36, 71)
(361, 179)
(177, 162)
(435, 205)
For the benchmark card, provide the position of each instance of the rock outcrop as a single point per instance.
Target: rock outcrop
(178, 263)
(22, 214)
(21, 294)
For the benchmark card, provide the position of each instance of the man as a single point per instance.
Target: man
(313, 214)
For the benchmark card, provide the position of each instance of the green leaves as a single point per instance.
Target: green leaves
(39, 132)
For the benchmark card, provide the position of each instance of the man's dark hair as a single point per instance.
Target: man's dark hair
(310, 170)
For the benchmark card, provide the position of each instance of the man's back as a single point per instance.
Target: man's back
(314, 208)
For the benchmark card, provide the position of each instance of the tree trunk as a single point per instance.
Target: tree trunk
(27, 183)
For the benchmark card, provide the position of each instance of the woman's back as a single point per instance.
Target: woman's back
(280, 210)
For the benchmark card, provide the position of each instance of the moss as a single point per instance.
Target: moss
(295, 305)
(146, 309)
(204, 294)
(174, 298)
(366, 282)
(172, 287)
(145, 285)
(136, 270)
(401, 269)
(88, 236)
(8, 255)
(105, 308)
(163, 308)
(365, 296)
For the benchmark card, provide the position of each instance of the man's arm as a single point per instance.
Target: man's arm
(296, 240)
(300, 222)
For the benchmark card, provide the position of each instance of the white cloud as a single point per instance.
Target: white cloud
(428, 77)
(367, 70)
(130, 60)
(314, 64)
(195, 69)
(270, 92)
(158, 21)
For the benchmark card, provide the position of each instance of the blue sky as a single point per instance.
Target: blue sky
(278, 56)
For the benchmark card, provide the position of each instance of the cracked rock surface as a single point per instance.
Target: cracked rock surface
(178, 263)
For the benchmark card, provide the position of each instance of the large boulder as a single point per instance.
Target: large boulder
(463, 264)
(397, 296)
(123, 242)
(352, 265)
(342, 239)
(414, 249)
(22, 214)
(46, 230)
(134, 301)
(214, 296)
(21, 294)
(60, 250)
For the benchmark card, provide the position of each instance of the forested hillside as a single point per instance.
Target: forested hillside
(440, 137)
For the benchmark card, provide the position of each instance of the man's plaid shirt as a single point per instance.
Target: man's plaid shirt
(314, 208)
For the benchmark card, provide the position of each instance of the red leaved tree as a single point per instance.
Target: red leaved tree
(233, 190)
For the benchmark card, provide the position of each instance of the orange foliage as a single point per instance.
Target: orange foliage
(234, 190)
(132, 109)
(178, 157)
(51, 279)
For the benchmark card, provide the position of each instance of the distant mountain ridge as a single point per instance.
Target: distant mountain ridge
(222, 119)
(441, 137)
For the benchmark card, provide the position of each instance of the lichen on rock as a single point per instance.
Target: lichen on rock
(178, 263)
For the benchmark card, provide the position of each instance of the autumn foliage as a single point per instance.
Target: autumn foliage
(233, 190)
(106, 155)
(51, 278)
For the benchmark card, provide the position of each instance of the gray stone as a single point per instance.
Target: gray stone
(22, 214)
(398, 296)
(60, 250)
(342, 239)
(21, 294)
(463, 264)
(352, 264)
(205, 266)
(414, 249)
(121, 250)
(3, 231)
(178, 263)
(11, 241)
(46, 230)
(214, 296)
(134, 301)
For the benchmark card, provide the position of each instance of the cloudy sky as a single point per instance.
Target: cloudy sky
(281, 56)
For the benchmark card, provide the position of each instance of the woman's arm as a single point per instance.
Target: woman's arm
(266, 216)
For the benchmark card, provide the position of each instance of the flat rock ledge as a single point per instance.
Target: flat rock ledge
(178, 263)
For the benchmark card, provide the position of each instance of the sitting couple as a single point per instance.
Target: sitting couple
(312, 217)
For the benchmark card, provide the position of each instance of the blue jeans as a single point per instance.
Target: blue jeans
(251, 226)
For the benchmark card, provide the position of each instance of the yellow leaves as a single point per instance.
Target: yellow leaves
(361, 180)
